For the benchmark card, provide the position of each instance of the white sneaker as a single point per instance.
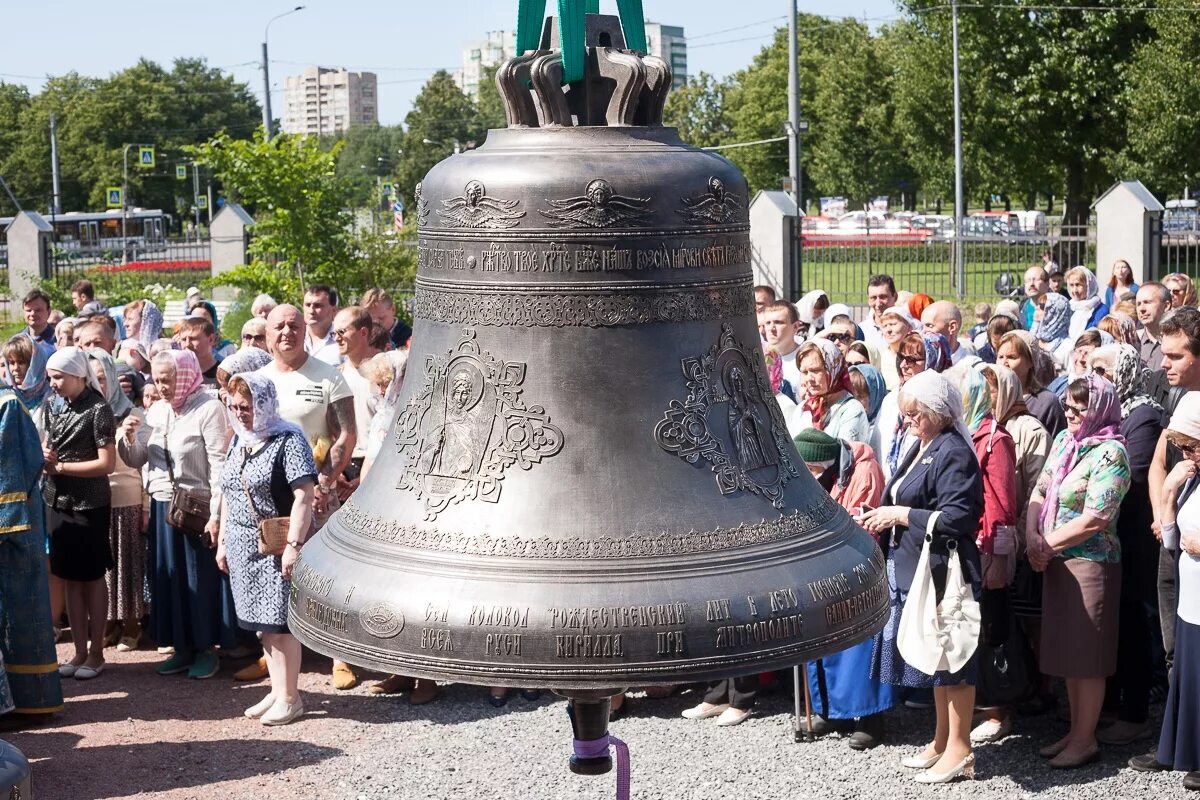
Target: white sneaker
(281, 713)
(705, 710)
(732, 716)
(991, 731)
(261, 707)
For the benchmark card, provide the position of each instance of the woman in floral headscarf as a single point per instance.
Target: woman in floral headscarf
(269, 472)
(1141, 425)
(1053, 321)
(24, 371)
(828, 404)
(182, 445)
(1072, 537)
(917, 353)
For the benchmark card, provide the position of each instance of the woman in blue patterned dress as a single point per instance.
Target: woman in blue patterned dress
(269, 472)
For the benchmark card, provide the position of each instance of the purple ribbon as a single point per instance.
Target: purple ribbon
(597, 748)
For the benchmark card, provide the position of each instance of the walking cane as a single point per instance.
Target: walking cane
(796, 675)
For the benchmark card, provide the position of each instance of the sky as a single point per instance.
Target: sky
(402, 41)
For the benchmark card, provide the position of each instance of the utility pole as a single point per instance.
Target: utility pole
(794, 168)
(959, 266)
(267, 73)
(56, 204)
(196, 195)
(125, 203)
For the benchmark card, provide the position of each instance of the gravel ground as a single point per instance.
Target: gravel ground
(131, 733)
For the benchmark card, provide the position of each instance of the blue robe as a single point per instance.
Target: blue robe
(26, 630)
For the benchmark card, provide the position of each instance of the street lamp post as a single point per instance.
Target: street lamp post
(266, 70)
(959, 271)
(125, 200)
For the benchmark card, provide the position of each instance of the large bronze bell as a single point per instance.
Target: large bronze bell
(589, 485)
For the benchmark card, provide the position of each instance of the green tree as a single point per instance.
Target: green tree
(489, 103)
(441, 115)
(699, 111)
(14, 100)
(369, 157)
(302, 222)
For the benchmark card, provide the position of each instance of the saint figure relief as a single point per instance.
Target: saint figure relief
(451, 448)
(746, 427)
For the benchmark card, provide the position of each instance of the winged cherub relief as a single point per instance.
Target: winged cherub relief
(474, 209)
(598, 207)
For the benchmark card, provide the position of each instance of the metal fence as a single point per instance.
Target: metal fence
(175, 260)
(841, 265)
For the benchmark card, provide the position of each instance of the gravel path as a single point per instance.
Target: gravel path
(131, 733)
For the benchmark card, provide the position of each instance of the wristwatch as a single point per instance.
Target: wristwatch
(295, 544)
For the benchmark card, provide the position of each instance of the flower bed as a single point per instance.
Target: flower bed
(164, 265)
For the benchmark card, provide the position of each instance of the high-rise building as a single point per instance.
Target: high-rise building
(498, 47)
(668, 43)
(665, 41)
(322, 101)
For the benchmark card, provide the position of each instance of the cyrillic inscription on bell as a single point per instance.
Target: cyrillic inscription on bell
(590, 484)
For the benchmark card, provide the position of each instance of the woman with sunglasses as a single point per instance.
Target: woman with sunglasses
(1072, 538)
(1141, 415)
(916, 353)
(1183, 291)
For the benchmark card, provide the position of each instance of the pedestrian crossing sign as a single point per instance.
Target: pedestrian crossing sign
(181, 172)
(115, 197)
(201, 202)
(146, 157)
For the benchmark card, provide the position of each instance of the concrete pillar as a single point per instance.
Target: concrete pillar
(1128, 226)
(230, 242)
(30, 237)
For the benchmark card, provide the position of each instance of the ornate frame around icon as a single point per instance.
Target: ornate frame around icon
(748, 448)
(467, 426)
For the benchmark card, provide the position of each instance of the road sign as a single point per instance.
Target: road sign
(201, 201)
(181, 172)
(398, 205)
(146, 157)
(115, 197)
(389, 190)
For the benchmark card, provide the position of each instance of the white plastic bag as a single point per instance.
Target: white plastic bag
(938, 636)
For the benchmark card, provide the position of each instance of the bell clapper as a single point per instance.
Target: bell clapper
(589, 710)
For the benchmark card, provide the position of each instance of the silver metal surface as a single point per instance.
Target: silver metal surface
(589, 483)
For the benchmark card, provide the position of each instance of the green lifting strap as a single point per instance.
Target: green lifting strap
(571, 13)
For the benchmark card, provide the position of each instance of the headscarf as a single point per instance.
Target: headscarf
(1189, 289)
(1082, 310)
(1055, 323)
(872, 354)
(1126, 326)
(1010, 401)
(1101, 423)
(976, 399)
(248, 359)
(188, 377)
(805, 309)
(115, 395)
(152, 324)
(73, 361)
(839, 379)
(918, 303)
(212, 313)
(36, 387)
(1185, 418)
(934, 391)
(1043, 369)
(937, 351)
(267, 422)
(1129, 376)
(876, 389)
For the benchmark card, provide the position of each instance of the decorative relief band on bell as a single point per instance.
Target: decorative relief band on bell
(598, 207)
(747, 442)
(798, 523)
(498, 305)
(717, 206)
(474, 209)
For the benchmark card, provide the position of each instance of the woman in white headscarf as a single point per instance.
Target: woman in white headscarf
(937, 490)
(1087, 307)
(126, 538)
(811, 310)
(79, 452)
(269, 472)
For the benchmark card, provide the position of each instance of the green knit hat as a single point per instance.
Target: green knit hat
(817, 446)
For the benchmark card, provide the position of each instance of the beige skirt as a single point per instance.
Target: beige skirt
(1080, 613)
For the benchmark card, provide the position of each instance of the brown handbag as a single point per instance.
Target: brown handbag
(187, 511)
(272, 531)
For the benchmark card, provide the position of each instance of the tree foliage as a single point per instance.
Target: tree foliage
(441, 116)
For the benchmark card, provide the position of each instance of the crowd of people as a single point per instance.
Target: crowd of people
(1035, 470)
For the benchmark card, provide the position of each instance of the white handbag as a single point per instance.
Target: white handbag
(937, 636)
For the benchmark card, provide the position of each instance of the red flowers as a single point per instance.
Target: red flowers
(158, 266)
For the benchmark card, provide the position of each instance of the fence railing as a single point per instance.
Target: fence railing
(175, 260)
(841, 264)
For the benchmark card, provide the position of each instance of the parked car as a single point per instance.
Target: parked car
(1181, 216)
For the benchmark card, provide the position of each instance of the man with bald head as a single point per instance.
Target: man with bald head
(314, 395)
(944, 317)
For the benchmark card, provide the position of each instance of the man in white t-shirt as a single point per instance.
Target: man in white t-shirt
(945, 318)
(352, 330)
(779, 323)
(315, 396)
(881, 295)
(320, 307)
